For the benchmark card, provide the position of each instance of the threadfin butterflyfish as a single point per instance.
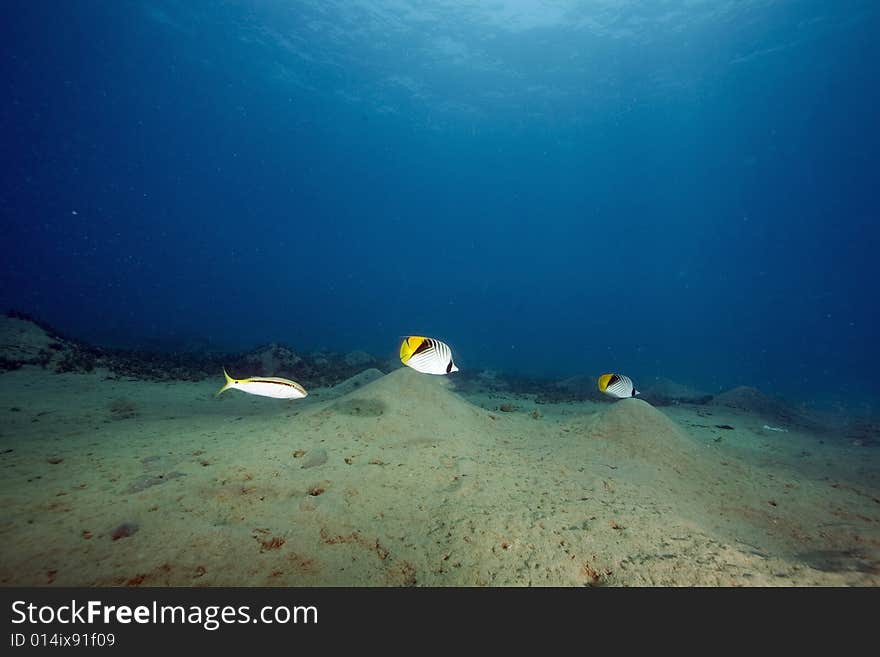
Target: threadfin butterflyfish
(427, 355)
(617, 385)
(265, 386)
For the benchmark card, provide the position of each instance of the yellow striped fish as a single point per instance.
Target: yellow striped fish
(265, 386)
(427, 355)
(617, 385)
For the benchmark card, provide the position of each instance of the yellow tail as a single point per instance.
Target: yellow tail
(229, 382)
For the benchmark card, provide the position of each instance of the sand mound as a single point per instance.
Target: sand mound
(746, 398)
(664, 392)
(637, 430)
(25, 342)
(775, 410)
(355, 382)
(419, 407)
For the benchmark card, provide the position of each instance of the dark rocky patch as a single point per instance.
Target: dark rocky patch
(321, 369)
(125, 530)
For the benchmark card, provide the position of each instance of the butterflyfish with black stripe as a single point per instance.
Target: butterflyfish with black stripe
(265, 386)
(427, 355)
(617, 385)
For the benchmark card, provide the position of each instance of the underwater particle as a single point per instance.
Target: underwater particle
(427, 355)
(265, 386)
(125, 530)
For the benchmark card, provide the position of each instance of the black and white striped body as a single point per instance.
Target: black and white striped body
(620, 386)
(432, 357)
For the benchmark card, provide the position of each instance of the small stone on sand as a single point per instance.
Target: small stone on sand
(315, 458)
(124, 530)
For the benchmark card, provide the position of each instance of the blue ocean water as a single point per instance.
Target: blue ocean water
(678, 189)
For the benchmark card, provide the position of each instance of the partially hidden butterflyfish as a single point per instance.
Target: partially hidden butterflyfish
(265, 386)
(617, 385)
(427, 355)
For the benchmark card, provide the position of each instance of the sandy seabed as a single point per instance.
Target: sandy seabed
(397, 479)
